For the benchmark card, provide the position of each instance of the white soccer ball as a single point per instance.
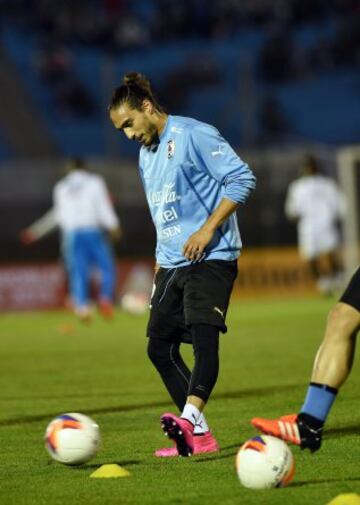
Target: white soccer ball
(263, 462)
(72, 439)
(135, 303)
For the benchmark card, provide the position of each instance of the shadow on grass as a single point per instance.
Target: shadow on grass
(353, 429)
(230, 395)
(206, 459)
(322, 481)
(232, 446)
(220, 454)
(94, 466)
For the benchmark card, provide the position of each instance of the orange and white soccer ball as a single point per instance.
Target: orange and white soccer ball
(72, 439)
(264, 462)
(135, 303)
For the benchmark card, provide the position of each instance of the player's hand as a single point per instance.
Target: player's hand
(115, 234)
(26, 237)
(194, 247)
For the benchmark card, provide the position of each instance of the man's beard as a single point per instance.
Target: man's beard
(153, 141)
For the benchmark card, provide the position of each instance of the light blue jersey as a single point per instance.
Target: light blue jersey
(185, 177)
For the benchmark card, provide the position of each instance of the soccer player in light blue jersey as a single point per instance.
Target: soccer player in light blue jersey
(194, 183)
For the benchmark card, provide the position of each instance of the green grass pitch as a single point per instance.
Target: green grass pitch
(50, 364)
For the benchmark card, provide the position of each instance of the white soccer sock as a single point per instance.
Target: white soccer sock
(191, 413)
(201, 425)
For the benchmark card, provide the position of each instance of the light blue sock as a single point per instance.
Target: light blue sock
(319, 400)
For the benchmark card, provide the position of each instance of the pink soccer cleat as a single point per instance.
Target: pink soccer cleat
(202, 443)
(166, 452)
(180, 431)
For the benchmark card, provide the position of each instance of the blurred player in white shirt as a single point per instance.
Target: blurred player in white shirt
(83, 211)
(316, 204)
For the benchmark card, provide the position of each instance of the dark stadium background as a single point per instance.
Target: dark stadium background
(278, 78)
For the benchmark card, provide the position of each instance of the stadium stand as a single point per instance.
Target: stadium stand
(210, 62)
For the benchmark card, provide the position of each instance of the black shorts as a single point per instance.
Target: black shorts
(351, 294)
(193, 294)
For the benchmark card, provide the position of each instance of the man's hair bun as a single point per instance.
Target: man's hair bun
(137, 79)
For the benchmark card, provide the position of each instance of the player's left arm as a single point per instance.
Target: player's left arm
(194, 247)
(210, 151)
(106, 212)
(338, 200)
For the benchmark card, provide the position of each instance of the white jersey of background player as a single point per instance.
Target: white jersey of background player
(82, 211)
(316, 204)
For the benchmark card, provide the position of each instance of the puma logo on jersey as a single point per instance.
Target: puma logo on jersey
(219, 152)
(221, 312)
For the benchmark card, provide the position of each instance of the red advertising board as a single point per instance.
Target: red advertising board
(264, 272)
(41, 287)
(30, 287)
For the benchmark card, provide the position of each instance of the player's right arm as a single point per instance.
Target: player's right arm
(41, 227)
(291, 204)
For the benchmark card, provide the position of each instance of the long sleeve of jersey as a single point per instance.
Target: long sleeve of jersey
(209, 150)
(44, 225)
(106, 213)
(291, 204)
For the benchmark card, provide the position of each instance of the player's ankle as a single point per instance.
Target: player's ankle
(189, 423)
(310, 421)
(191, 414)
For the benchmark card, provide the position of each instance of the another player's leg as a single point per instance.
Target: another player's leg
(336, 270)
(332, 367)
(66, 257)
(104, 260)
(321, 276)
(314, 268)
(79, 281)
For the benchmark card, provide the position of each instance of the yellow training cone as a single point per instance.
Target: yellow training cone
(110, 471)
(346, 499)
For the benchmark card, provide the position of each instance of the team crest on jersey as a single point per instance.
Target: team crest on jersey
(170, 148)
(176, 129)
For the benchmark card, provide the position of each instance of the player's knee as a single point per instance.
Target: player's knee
(158, 351)
(204, 337)
(205, 340)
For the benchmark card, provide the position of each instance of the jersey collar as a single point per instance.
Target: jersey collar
(166, 128)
